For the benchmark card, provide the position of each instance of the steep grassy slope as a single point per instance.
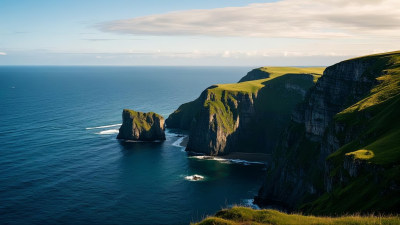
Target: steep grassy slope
(341, 152)
(245, 116)
(368, 165)
(242, 215)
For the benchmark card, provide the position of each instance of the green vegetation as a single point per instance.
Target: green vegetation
(224, 96)
(362, 154)
(143, 121)
(219, 95)
(243, 215)
(273, 98)
(374, 126)
(377, 114)
(279, 71)
(376, 55)
(274, 72)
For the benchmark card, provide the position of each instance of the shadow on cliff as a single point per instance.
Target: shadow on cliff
(273, 106)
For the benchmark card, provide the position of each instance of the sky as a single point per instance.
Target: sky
(195, 33)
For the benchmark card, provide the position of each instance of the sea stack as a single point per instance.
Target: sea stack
(139, 126)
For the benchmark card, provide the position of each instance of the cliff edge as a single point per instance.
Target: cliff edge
(246, 116)
(340, 153)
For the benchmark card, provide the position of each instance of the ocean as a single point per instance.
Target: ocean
(60, 162)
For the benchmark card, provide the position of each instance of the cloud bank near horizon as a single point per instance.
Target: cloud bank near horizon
(283, 19)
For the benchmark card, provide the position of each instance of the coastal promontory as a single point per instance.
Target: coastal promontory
(139, 126)
(245, 117)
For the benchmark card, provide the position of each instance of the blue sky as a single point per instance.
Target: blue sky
(219, 32)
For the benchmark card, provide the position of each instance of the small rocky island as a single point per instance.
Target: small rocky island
(139, 126)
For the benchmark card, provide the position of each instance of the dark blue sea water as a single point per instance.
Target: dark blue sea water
(61, 164)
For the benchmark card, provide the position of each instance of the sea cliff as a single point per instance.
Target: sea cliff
(340, 151)
(139, 126)
(246, 116)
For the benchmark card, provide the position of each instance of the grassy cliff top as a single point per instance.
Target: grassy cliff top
(254, 85)
(143, 120)
(278, 71)
(375, 55)
(243, 215)
(221, 95)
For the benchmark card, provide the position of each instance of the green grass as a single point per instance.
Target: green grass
(378, 115)
(362, 154)
(221, 95)
(143, 121)
(279, 71)
(243, 215)
(273, 98)
(274, 72)
(374, 127)
(376, 55)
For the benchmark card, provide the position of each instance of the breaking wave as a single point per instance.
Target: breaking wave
(106, 126)
(112, 131)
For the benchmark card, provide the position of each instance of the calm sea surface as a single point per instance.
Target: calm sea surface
(61, 164)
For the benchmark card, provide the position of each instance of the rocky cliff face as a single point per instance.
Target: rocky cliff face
(140, 126)
(242, 117)
(301, 172)
(216, 129)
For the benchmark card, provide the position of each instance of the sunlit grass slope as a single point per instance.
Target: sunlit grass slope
(273, 98)
(184, 115)
(272, 72)
(140, 119)
(244, 216)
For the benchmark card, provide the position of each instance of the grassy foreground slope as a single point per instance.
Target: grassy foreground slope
(243, 215)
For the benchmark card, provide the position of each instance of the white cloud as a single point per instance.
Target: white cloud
(3, 53)
(286, 18)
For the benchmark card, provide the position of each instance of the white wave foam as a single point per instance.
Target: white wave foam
(222, 160)
(106, 126)
(112, 131)
(206, 157)
(250, 203)
(194, 177)
(178, 142)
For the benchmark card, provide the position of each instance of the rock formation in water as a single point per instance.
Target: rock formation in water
(140, 126)
(341, 152)
(242, 117)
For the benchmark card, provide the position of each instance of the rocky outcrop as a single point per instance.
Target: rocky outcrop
(215, 129)
(140, 126)
(310, 160)
(243, 117)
